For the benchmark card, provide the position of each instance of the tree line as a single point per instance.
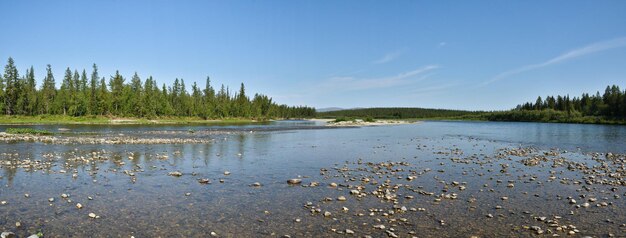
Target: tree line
(606, 108)
(81, 94)
(611, 104)
(395, 113)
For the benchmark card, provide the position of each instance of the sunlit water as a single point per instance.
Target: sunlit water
(151, 203)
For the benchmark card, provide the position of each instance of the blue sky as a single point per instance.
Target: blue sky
(483, 55)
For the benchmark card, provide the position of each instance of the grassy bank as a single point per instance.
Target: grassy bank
(102, 120)
(550, 116)
(414, 114)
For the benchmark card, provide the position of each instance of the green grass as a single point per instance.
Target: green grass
(31, 131)
(103, 120)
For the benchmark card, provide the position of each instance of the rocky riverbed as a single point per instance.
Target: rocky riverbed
(274, 184)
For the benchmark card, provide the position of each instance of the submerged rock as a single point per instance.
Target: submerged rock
(294, 181)
(175, 174)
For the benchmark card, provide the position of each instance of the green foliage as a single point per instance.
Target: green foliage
(608, 108)
(369, 119)
(81, 96)
(340, 119)
(27, 131)
(394, 113)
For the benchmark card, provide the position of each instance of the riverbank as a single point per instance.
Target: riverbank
(358, 122)
(103, 120)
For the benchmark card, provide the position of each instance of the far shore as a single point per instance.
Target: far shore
(359, 122)
(104, 120)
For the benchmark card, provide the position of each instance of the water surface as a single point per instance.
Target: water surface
(133, 195)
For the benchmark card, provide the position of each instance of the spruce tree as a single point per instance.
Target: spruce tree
(11, 77)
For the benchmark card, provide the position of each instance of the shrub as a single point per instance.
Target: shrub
(369, 119)
(27, 131)
(340, 119)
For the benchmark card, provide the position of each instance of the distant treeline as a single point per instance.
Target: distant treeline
(609, 107)
(80, 95)
(395, 113)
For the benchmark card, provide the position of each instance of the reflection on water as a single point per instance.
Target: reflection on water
(133, 194)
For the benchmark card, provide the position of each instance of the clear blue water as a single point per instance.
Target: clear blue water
(154, 204)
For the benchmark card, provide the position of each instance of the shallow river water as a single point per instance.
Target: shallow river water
(427, 179)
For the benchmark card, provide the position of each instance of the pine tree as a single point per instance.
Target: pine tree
(2, 94)
(196, 100)
(48, 92)
(209, 99)
(117, 89)
(32, 92)
(136, 93)
(92, 107)
(104, 101)
(242, 102)
(11, 77)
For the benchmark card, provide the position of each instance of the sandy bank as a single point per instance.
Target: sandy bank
(358, 122)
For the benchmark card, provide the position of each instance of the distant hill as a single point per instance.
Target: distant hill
(328, 109)
(394, 113)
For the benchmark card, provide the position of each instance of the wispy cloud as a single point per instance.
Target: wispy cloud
(353, 83)
(572, 54)
(387, 57)
(434, 88)
(442, 44)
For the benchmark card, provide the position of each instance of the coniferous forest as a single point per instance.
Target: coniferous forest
(606, 108)
(90, 94)
(609, 107)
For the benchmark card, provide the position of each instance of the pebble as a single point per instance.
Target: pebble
(7, 234)
(79, 206)
(256, 184)
(226, 172)
(327, 214)
(50, 199)
(341, 198)
(175, 174)
(294, 181)
(349, 232)
(92, 215)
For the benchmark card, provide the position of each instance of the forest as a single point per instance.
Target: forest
(609, 107)
(94, 95)
(606, 108)
(395, 113)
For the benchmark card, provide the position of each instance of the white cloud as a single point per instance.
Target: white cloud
(572, 54)
(388, 57)
(353, 83)
(442, 44)
(434, 88)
